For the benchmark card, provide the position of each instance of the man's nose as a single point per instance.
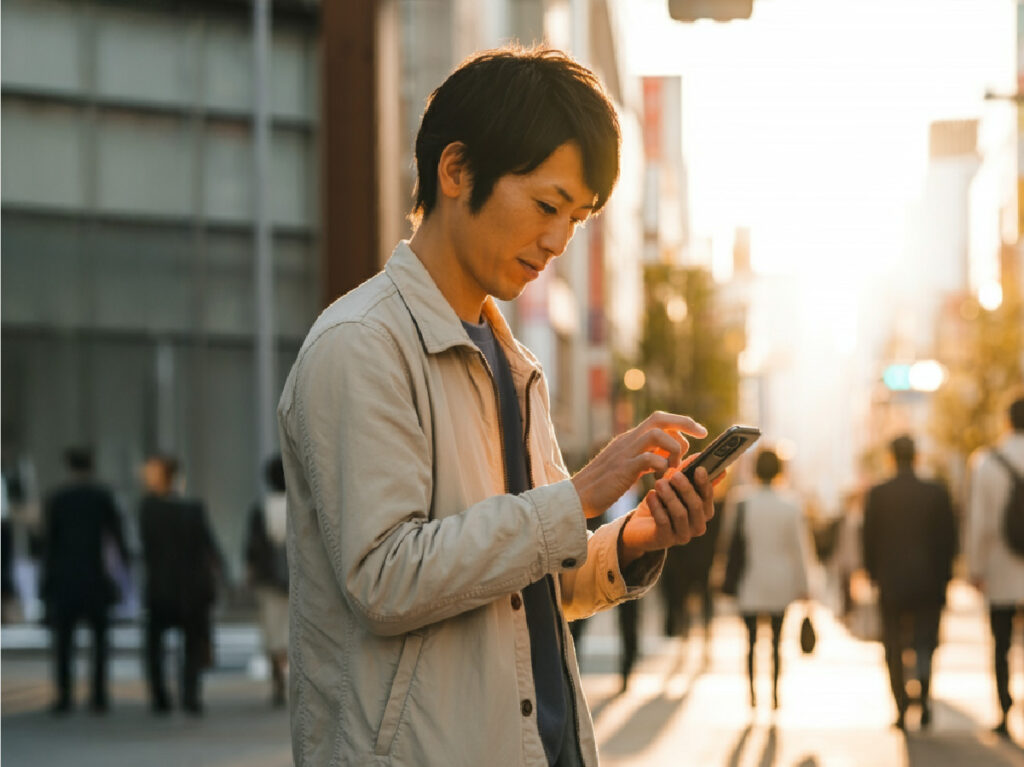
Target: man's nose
(555, 239)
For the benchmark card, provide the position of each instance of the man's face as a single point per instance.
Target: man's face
(526, 222)
(154, 478)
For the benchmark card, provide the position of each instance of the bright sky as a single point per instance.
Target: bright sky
(811, 118)
(809, 124)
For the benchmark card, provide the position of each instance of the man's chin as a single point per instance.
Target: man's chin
(510, 293)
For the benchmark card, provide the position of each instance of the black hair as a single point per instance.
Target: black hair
(768, 465)
(1017, 413)
(511, 108)
(78, 459)
(273, 473)
(903, 450)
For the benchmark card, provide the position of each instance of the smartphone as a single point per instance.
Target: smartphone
(727, 447)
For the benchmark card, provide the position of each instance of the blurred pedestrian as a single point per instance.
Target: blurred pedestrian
(627, 613)
(183, 565)
(438, 544)
(848, 557)
(909, 539)
(8, 588)
(778, 552)
(266, 558)
(995, 568)
(81, 522)
(688, 571)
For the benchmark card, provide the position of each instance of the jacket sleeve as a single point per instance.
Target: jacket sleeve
(601, 583)
(358, 428)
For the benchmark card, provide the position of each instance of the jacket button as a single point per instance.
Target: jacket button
(567, 563)
(526, 707)
(611, 577)
(517, 602)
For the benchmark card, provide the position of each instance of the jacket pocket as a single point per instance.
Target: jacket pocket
(400, 686)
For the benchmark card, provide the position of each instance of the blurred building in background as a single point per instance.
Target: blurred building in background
(128, 311)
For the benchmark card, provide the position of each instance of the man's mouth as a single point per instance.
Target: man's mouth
(531, 269)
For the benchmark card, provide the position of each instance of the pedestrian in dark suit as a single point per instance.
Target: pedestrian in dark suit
(81, 522)
(183, 564)
(909, 539)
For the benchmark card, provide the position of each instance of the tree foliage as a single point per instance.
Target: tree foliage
(984, 354)
(690, 362)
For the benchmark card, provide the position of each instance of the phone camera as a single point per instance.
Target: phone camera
(727, 447)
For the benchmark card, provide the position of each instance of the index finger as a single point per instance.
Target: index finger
(673, 422)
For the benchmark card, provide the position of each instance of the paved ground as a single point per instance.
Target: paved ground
(684, 706)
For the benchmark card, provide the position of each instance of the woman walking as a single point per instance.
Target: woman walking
(777, 553)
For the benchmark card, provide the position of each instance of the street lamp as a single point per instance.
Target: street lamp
(634, 379)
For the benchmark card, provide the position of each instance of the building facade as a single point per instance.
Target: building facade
(128, 308)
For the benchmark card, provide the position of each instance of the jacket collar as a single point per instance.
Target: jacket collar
(439, 326)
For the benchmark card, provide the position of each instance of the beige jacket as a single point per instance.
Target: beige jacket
(409, 644)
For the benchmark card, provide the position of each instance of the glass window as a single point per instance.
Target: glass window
(146, 56)
(42, 154)
(222, 458)
(43, 279)
(228, 283)
(227, 171)
(290, 75)
(144, 277)
(41, 46)
(144, 164)
(227, 67)
(295, 286)
(291, 200)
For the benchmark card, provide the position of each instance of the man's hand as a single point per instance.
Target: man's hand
(655, 445)
(671, 514)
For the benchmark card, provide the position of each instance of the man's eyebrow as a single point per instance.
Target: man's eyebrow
(570, 199)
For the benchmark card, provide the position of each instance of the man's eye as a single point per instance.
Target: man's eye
(548, 209)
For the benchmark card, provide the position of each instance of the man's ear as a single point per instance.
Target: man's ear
(452, 175)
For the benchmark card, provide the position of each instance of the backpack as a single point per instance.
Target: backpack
(1013, 514)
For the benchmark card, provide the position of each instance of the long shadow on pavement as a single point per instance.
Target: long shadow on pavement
(769, 753)
(643, 727)
(961, 741)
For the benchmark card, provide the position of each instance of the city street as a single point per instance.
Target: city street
(681, 707)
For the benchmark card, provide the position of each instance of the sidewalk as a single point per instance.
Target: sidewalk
(680, 709)
(836, 709)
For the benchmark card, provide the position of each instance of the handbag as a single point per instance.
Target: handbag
(736, 559)
(808, 637)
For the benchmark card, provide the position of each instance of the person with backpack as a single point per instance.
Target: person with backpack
(995, 542)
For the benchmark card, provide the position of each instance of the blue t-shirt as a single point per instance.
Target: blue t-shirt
(554, 692)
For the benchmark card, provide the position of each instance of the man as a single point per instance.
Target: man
(993, 567)
(183, 563)
(909, 539)
(82, 524)
(436, 541)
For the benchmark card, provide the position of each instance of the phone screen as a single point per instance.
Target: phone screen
(727, 447)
